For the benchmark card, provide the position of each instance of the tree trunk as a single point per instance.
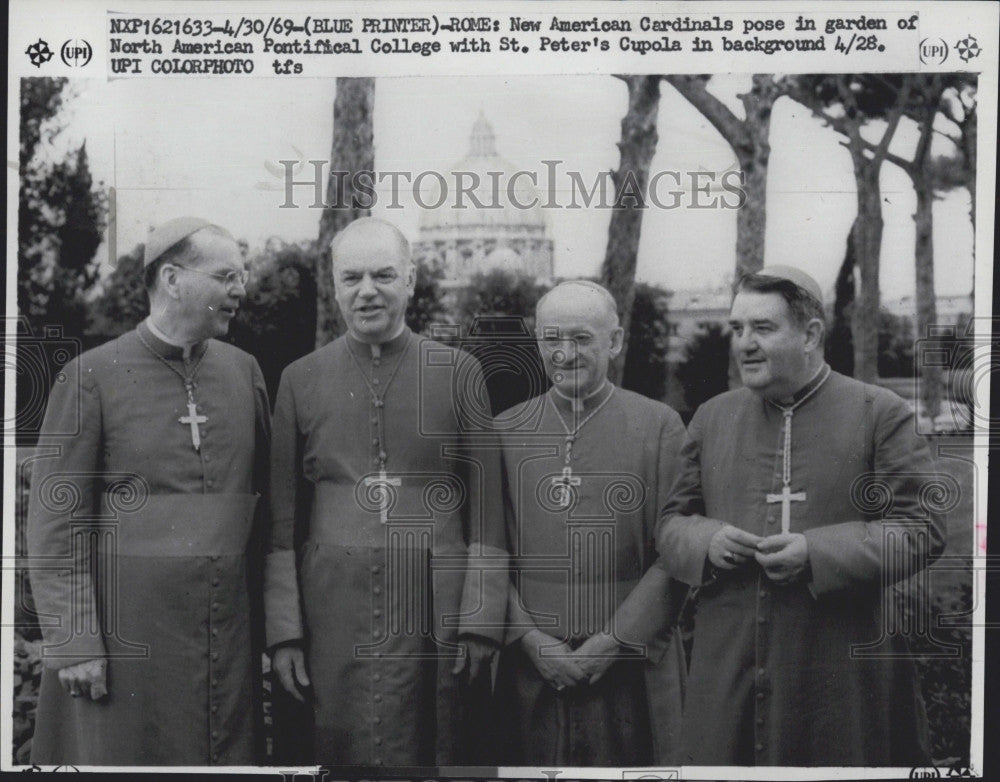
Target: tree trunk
(932, 89)
(749, 140)
(867, 235)
(969, 141)
(751, 219)
(637, 146)
(839, 343)
(353, 151)
(754, 154)
(930, 375)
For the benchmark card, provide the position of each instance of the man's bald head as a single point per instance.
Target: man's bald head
(373, 278)
(371, 232)
(578, 335)
(580, 296)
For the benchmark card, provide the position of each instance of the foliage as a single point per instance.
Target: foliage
(646, 359)
(496, 315)
(61, 215)
(947, 172)
(705, 371)
(27, 636)
(27, 680)
(848, 103)
(498, 292)
(946, 682)
(277, 321)
(426, 307)
(61, 219)
(123, 302)
(895, 345)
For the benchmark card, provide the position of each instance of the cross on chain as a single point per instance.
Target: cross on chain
(787, 496)
(563, 482)
(192, 419)
(383, 482)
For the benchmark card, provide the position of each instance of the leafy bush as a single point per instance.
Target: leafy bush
(946, 683)
(27, 679)
(646, 359)
(705, 371)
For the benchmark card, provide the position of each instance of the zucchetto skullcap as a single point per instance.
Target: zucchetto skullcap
(795, 276)
(165, 236)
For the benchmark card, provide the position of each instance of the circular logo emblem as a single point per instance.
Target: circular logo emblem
(39, 53)
(76, 52)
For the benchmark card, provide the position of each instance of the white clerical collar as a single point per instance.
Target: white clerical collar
(806, 390)
(577, 404)
(376, 348)
(186, 347)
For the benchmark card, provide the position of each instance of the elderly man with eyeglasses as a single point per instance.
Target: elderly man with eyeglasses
(142, 511)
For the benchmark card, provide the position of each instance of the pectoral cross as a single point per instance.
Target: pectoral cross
(786, 498)
(382, 483)
(193, 419)
(564, 481)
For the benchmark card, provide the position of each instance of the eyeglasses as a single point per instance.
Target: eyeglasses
(235, 277)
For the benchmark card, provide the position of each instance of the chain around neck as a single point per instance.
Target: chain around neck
(186, 378)
(789, 409)
(576, 430)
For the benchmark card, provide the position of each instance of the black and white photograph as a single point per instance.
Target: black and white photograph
(557, 391)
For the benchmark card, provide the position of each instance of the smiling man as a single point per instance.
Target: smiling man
(592, 670)
(381, 506)
(139, 523)
(769, 518)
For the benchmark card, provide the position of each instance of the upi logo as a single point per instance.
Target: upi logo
(76, 52)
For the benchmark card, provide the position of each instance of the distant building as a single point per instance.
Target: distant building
(465, 241)
(950, 309)
(690, 313)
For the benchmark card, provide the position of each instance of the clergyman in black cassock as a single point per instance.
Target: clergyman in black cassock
(793, 662)
(141, 520)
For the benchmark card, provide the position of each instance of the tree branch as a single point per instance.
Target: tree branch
(693, 89)
(932, 106)
(895, 115)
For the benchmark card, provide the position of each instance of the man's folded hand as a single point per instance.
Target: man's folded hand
(88, 679)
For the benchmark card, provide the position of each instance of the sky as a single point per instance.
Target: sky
(209, 147)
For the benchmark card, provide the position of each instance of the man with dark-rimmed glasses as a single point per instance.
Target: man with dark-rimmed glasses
(153, 452)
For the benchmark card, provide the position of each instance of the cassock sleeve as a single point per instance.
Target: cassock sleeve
(518, 621)
(282, 611)
(259, 484)
(655, 602)
(853, 554)
(262, 438)
(683, 532)
(484, 593)
(64, 486)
